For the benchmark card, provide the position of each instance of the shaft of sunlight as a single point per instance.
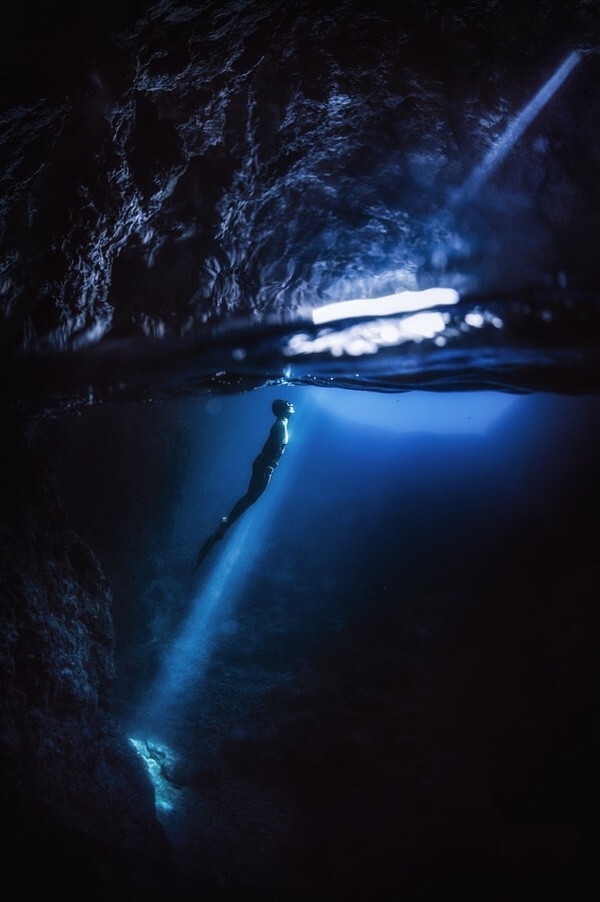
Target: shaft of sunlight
(220, 585)
(516, 127)
(185, 663)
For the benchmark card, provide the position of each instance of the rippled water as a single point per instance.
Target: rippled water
(191, 181)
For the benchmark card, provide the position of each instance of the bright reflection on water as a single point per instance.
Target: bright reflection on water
(403, 302)
(368, 337)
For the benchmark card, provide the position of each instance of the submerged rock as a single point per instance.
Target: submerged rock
(75, 799)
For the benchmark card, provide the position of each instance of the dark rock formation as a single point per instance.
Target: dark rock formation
(169, 168)
(75, 799)
(171, 173)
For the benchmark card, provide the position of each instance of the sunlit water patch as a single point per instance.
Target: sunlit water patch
(159, 760)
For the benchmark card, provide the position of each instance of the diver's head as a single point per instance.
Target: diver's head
(282, 408)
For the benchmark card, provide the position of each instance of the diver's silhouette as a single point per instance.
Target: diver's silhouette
(262, 471)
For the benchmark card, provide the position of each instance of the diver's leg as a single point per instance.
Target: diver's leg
(256, 487)
(239, 507)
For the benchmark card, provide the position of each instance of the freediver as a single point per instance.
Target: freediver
(263, 468)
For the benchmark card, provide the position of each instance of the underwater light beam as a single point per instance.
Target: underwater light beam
(506, 142)
(187, 660)
(410, 301)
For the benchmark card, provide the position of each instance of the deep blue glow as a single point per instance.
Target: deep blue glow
(446, 413)
(220, 581)
(219, 585)
(376, 494)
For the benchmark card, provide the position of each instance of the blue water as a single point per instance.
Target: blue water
(409, 601)
(383, 682)
(363, 473)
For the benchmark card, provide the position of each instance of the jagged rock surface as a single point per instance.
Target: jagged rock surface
(76, 801)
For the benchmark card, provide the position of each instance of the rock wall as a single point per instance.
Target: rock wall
(76, 800)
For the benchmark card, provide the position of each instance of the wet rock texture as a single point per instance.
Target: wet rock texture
(77, 806)
(169, 166)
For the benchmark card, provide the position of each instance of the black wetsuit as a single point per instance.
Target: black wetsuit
(262, 469)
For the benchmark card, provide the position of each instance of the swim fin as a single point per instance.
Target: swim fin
(216, 537)
(204, 551)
